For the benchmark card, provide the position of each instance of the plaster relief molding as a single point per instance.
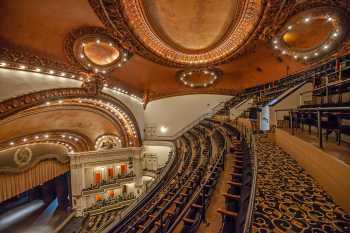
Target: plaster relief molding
(97, 157)
(130, 27)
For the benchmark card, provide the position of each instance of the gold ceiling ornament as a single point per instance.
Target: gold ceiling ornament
(312, 34)
(131, 26)
(199, 78)
(95, 50)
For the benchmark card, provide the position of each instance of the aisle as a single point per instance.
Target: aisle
(290, 200)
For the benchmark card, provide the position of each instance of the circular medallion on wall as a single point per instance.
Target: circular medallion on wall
(199, 78)
(312, 34)
(95, 49)
(23, 156)
(108, 142)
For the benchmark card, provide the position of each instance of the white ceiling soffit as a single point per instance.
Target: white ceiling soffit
(165, 118)
(16, 83)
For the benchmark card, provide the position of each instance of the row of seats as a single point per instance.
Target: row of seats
(237, 196)
(337, 122)
(170, 201)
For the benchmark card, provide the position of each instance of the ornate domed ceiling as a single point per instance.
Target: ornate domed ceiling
(184, 32)
(144, 44)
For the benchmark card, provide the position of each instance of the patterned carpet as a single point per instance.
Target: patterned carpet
(290, 200)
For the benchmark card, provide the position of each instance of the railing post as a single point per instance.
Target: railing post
(291, 121)
(319, 126)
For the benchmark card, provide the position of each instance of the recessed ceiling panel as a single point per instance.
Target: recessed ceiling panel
(192, 24)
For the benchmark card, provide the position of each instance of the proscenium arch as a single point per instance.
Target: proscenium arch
(27, 101)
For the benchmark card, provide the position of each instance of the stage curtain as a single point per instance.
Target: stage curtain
(16, 183)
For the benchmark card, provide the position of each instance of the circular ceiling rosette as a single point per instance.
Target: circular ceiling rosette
(95, 49)
(199, 78)
(312, 34)
(182, 33)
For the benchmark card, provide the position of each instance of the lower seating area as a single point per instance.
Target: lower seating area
(290, 200)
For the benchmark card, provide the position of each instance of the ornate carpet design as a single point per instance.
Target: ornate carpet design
(290, 200)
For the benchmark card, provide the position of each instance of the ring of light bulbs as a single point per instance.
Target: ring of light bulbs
(214, 75)
(84, 60)
(332, 16)
(50, 73)
(46, 138)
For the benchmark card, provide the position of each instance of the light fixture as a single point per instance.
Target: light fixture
(12, 143)
(25, 139)
(3, 64)
(36, 137)
(22, 67)
(51, 72)
(48, 103)
(46, 136)
(290, 27)
(307, 19)
(163, 129)
(37, 69)
(325, 47)
(60, 101)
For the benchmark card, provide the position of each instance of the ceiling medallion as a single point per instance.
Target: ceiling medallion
(199, 78)
(312, 34)
(95, 50)
(212, 37)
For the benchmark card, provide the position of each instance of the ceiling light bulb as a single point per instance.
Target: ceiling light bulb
(46, 135)
(335, 34)
(63, 136)
(60, 101)
(295, 56)
(316, 54)
(110, 44)
(97, 41)
(37, 69)
(12, 143)
(48, 103)
(163, 129)
(24, 139)
(290, 27)
(22, 67)
(306, 19)
(325, 47)
(276, 47)
(51, 72)
(81, 55)
(36, 137)
(275, 41)
(283, 52)
(63, 74)
(3, 64)
(103, 71)
(305, 57)
(329, 19)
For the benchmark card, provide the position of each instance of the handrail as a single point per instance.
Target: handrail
(251, 204)
(316, 109)
(127, 214)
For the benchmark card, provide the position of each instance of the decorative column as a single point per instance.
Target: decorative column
(77, 186)
(137, 162)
